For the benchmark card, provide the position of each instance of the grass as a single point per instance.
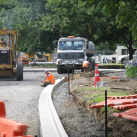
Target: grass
(112, 64)
(98, 94)
(109, 109)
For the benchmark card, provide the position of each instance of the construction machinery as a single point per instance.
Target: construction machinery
(72, 51)
(37, 57)
(26, 58)
(10, 63)
(47, 56)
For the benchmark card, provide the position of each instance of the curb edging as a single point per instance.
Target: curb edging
(51, 125)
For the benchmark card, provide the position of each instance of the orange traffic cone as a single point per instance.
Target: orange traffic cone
(96, 67)
(97, 78)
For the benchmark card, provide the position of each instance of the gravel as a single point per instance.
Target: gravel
(75, 119)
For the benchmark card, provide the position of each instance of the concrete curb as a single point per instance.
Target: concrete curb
(55, 70)
(39, 69)
(51, 125)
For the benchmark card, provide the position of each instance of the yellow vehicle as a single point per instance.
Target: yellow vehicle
(47, 56)
(37, 57)
(26, 58)
(10, 63)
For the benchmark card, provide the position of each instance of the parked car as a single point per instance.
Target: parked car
(124, 58)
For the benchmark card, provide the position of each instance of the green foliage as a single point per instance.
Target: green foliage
(131, 68)
(124, 11)
(84, 19)
(40, 22)
(25, 16)
(73, 17)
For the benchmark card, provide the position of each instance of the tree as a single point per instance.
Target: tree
(72, 17)
(25, 16)
(84, 19)
(125, 14)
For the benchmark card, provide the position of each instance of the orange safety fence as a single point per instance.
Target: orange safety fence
(129, 114)
(123, 97)
(10, 128)
(106, 77)
(125, 106)
(114, 102)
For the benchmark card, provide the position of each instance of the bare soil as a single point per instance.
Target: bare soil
(117, 127)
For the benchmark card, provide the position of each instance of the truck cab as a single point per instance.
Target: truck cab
(71, 52)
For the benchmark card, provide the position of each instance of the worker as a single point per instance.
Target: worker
(90, 62)
(49, 79)
(85, 66)
(3, 42)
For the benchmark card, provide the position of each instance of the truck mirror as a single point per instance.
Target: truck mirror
(86, 45)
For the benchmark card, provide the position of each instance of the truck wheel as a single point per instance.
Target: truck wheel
(20, 70)
(124, 61)
(59, 70)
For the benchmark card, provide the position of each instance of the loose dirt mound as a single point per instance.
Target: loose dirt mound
(117, 127)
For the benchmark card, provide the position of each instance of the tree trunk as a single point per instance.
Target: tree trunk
(130, 47)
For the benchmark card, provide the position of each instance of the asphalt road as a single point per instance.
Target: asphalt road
(21, 98)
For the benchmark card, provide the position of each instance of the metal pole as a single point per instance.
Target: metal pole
(106, 112)
(72, 74)
(68, 82)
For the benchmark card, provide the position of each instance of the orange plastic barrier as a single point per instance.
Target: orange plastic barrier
(10, 128)
(114, 102)
(125, 106)
(123, 97)
(117, 97)
(2, 109)
(111, 77)
(132, 96)
(129, 114)
(106, 77)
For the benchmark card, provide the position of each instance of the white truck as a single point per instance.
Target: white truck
(123, 55)
(71, 52)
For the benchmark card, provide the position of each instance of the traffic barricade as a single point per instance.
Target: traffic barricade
(114, 102)
(10, 128)
(2, 109)
(123, 97)
(117, 97)
(129, 114)
(125, 106)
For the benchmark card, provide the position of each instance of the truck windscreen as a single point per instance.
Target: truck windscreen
(6, 40)
(70, 45)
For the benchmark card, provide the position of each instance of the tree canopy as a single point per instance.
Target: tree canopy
(125, 15)
(40, 22)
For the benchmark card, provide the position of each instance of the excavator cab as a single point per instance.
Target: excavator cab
(10, 63)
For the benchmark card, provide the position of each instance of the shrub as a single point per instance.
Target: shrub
(131, 68)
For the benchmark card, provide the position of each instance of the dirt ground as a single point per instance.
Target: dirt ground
(117, 127)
